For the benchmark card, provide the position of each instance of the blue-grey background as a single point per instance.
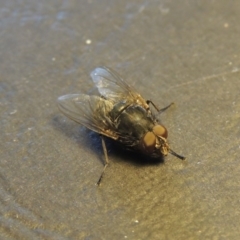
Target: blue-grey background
(179, 51)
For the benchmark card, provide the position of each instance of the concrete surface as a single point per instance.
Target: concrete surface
(179, 51)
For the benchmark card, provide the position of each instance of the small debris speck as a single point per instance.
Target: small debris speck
(88, 41)
(226, 25)
(13, 112)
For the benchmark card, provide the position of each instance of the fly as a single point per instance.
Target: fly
(120, 113)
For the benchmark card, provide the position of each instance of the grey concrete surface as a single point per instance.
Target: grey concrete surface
(179, 51)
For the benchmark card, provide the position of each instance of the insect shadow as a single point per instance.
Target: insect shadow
(117, 151)
(91, 140)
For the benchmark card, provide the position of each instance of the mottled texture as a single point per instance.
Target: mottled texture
(179, 51)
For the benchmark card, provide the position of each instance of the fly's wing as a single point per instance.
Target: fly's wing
(90, 111)
(112, 87)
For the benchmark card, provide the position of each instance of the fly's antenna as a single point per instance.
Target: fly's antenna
(176, 155)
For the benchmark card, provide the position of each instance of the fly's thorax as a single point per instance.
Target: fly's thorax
(131, 120)
(155, 141)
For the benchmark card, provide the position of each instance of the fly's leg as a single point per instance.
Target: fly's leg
(149, 101)
(165, 108)
(106, 160)
(159, 110)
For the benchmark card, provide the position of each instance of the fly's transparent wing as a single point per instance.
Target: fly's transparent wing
(90, 111)
(112, 87)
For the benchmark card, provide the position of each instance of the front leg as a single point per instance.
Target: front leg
(159, 110)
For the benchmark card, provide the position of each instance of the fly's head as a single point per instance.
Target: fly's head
(155, 142)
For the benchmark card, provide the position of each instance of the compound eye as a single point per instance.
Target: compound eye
(149, 141)
(160, 131)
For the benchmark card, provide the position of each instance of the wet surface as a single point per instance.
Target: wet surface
(171, 51)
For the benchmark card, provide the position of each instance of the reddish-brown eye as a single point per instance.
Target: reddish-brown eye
(149, 141)
(160, 130)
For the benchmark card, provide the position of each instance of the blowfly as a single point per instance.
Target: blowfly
(118, 112)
